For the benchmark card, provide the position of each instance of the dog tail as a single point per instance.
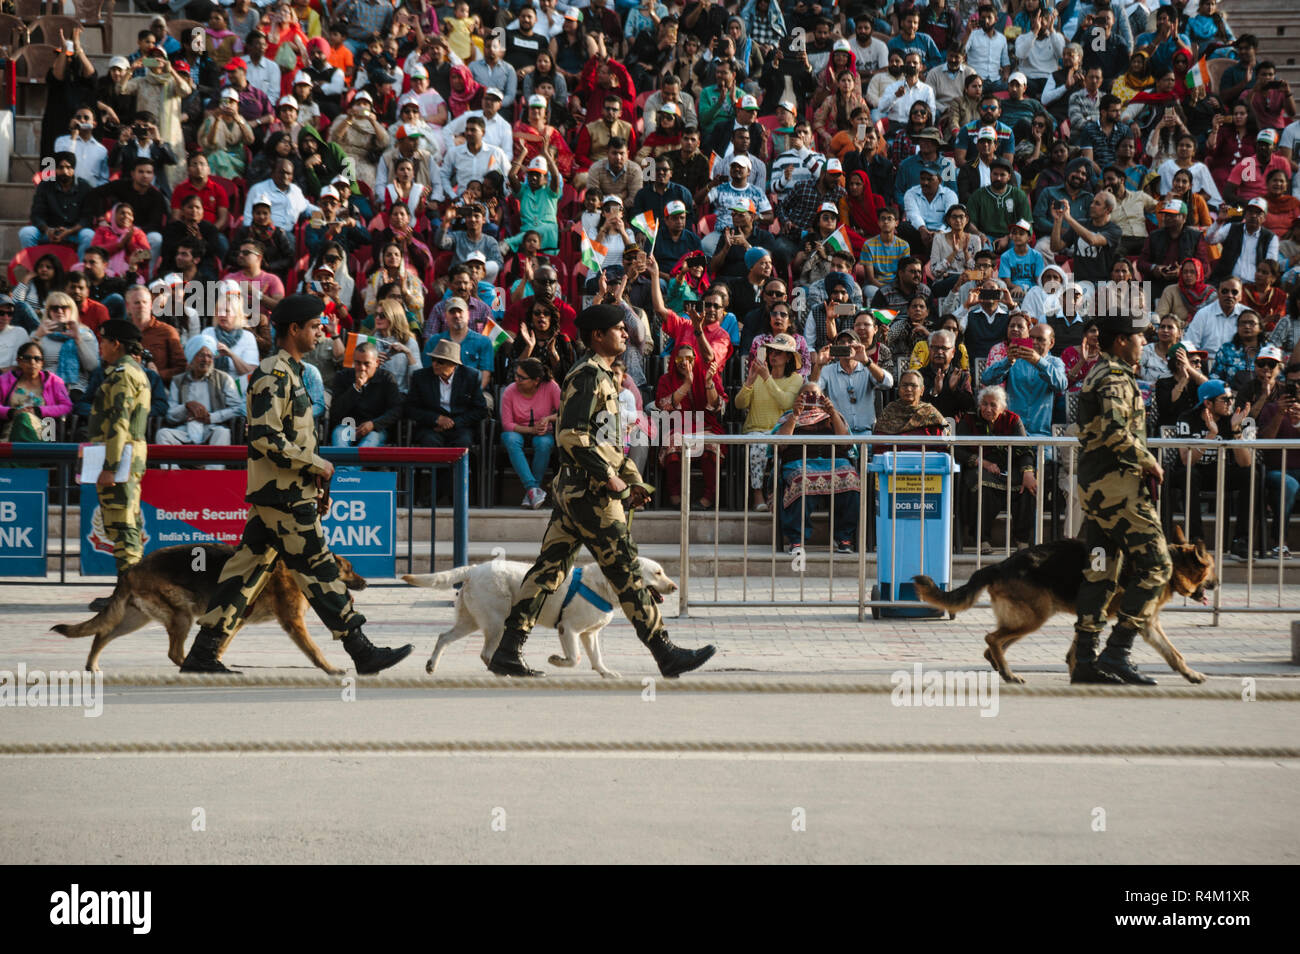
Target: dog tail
(954, 601)
(106, 620)
(439, 581)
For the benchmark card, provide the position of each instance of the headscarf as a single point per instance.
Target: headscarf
(1199, 292)
(671, 380)
(900, 418)
(680, 272)
(460, 102)
(806, 411)
(860, 213)
(1146, 79)
(744, 45)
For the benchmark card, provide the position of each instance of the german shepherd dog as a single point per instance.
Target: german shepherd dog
(165, 588)
(1033, 584)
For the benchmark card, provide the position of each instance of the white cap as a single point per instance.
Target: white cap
(418, 72)
(537, 100)
(119, 62)
(1260, 203)
(1017, 78)
(537, 164)
(834, 165)
(611, 198)
(748, 102)
(741, 161)
(493, 91)
(1024, 224)
(288, 101)
(670, 109)
(476, 256)
(329, 192)
(363, 95)
(302, 77)
(830, 207)
(230, 93)
(789, 104)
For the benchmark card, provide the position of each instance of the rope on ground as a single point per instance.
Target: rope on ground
(645, 747)
(689, 685)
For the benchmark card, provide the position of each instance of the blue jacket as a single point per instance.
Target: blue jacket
(1031, 389)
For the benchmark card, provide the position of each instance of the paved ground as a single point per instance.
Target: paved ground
(668, 807)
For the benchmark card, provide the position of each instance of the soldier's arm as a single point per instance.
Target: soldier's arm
(117, 418)
(574, 432)
(632, 477)
(269, 404)
(1116, 434)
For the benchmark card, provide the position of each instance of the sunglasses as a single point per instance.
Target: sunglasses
(39, 358)
(1266, 363)
(774, 294)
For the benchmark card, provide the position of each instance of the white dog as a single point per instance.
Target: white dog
(490, 590)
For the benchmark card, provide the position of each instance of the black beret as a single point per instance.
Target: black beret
(599, 318)
(297, 310)
(1124, 324)
(120, 330)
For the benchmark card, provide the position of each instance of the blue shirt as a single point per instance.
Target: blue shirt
(854, 394)
(1031, 389)
(1023, 271)
(475, 351)
(921, 43)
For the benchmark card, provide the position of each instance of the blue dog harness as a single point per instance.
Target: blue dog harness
(578, 588)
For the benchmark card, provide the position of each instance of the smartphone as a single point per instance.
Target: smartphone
(1023, 342)
(841, 351)
(762, 353)
(845, 308)
(862, 130)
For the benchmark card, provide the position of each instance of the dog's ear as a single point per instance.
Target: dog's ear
(1201, 551)
(1177, 535)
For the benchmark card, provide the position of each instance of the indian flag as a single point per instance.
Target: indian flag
(883, 316)
(496, 334)
(713, 162)
(593, 255)
(645, 224)
(1199, 75)
(838, 241)
(355, 341)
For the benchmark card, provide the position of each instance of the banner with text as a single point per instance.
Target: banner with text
(207, 506)
(24, 505)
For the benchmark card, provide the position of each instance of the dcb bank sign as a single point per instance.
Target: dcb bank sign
(24, 505)
(207, 506)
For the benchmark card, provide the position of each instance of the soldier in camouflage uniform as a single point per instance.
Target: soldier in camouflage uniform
(594, 486)
(1120, 518)
(286, 479)
(117, 420)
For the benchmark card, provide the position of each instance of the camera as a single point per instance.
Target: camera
(1291, 389)
(146, 356)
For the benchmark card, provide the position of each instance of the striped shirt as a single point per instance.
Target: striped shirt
(884, 257)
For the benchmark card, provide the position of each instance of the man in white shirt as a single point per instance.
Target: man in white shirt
(1251, 229)
(1215, 324)
(92, 157)
(870, 52)
(262, 73)
(471, 160)
(986, 51)
(1039, 51)
(924, 207)
(283, 196)
(897, 99)
(497, 131)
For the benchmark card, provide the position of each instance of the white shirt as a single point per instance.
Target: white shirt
(444, 393)
(1039, 59)
(286, 207)
(497, 131)
(11, 339)
(928, 213)
(874, 56)
(1244, 267)
(460, 166)
(266, 77)
(1210, 329)
(757, 173)
(1202, 181)
(1289, 137)
(803, 164)
(896, 108)
(986, 55)
(92, 157)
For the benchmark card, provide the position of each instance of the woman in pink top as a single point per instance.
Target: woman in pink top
(529, 409)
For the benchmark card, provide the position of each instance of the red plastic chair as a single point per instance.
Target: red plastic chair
(28, 257)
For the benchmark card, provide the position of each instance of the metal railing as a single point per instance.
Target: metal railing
(408, 461)
(1060, 452)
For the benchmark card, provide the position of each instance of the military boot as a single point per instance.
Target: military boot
(369, 658)
(1085, 663)
(508, 660)
(1114, 659)
(203, 654)
(673, 660)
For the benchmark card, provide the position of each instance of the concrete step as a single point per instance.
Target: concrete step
(15, 200)
(9, 244)
(22, 166)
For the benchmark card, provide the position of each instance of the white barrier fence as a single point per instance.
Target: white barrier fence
(1059, 454)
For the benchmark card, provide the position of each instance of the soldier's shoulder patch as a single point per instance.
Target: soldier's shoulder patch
(280, 373)
(1119, 371)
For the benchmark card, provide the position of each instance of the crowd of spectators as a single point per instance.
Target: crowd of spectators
(871, 216)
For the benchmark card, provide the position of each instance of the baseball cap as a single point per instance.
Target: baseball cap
(408, 131)
(742, 205)
(362, 95)
(119, 62)
(457, 303)
(931, 169)
(1258, 203)
(741, 161)
(1017, 78)
(834, 165)
(1267, 135)
(329, 192)
(987, 132)
(1211, 389)
(611, 198)
(493, 91)
(675, 207)
(1269, 353)
(537, 100)
(1174, 208)
(1024, 224)
(670, 109)
(418, 72)
(284, 101)
(476, 256)
(537, 164)
(842, 46)
(573, 13)
(230, 93)
(265, 202)
(748, 102)
(236, 63)
(789, 104)
(1001, 162)
(829, 207)
(302, 77)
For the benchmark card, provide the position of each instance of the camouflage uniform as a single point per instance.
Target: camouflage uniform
(590, 451)
(118, 418)
(282, 519)
(1119, 515)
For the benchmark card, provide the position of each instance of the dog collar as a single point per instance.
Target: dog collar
(578, 588)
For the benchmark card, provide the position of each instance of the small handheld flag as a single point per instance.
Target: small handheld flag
(883, 316)
(838, 241)
(355, 341)
(646, 224)
(593, 254)
(496, 334)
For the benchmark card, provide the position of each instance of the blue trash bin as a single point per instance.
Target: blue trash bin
(918, 544)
